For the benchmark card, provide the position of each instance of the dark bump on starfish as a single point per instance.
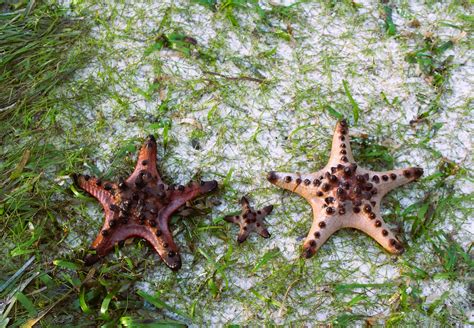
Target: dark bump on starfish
(105, 232)
(333, 169)
(333, 178)
(407, 174)
(171, 254)
(344, 159)
(98, 182)
(317, 182)
(340, 191)
(330, 210)
(356, 209)
(306, 182)
(325, 187)
(384, 177)
(114, 208)
(165, 245)
(287, 179)
(298, 181)
(312, 243)
(108, 187)
(357, 202)
(376, 179)
(343, 152)
(373, 203)
(87, 177)
(342, 138)
(319, 193)
(122, 185)
(343, 146)
(346, 185)
(181, 188)
(329, 200)
(272, 176)
(384, 232)
(347, 171)
(378, 223)
(322, 224)
(342, 211)
(368, 186)
(393, 176)
(144, 162)
(340, 166)
(367, 209)
(357, 190)
(417, 172)
(158, 233)
(317, 234)
(372, 215)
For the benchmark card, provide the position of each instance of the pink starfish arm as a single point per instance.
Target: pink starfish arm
(389, 180)
(302, 184)
(341, 147)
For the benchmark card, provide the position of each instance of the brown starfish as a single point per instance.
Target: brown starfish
(250, 220)
(140, 206)
(344, 195)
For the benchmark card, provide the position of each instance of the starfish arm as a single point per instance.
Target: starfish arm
(377, 229)
(386, 181)
(302, 184)
(245, 203)
(264, 212)
(262, 231)
(100, 190)
(146, 163)
(341, 147)
(163, 245)
(232, 218)
(322, 228)
(182, 194)
(243, 234)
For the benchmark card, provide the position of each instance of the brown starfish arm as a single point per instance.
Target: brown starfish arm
(182, 194)
(322, 228)
(302, 184)
(389, 180)
(341, 147)
(146, 163)
(100, 190)
(378, 230)
(242, 236)
(159, 237)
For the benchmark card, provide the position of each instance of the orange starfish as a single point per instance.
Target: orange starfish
(140, 206)
(344, 195)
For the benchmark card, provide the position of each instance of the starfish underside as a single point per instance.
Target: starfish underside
(343, 195)
(250, 220)
(140, 206)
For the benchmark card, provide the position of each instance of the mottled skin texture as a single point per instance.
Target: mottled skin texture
(250, 220)
(344, 195)
(140, 206)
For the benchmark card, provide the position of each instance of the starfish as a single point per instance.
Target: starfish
(140, 206)
(250, 220)
(344, 195)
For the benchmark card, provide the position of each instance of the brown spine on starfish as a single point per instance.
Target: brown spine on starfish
(250, 220)
(346, 196)
(140, 206)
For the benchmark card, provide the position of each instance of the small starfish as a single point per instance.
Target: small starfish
(140, 206)
(250, 220)
(344, 195)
